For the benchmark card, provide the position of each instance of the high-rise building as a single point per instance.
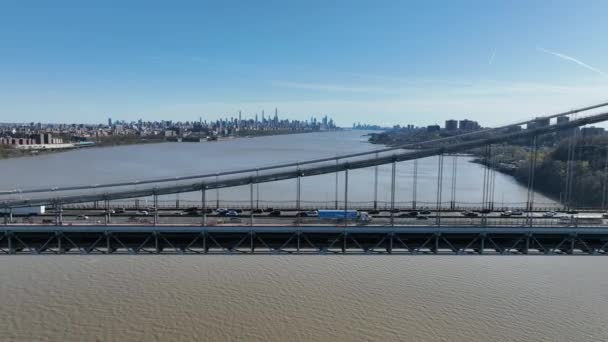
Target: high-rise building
(468, 125)
(451, 125)
(110, 122)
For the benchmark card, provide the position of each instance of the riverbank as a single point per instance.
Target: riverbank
(581, 183)
(8, 152)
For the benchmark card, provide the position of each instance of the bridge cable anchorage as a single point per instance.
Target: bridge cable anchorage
(316, 170)
(315, 161)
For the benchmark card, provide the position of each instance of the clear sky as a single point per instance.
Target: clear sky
(383, 62)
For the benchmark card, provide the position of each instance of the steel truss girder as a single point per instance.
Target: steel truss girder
(290, 241)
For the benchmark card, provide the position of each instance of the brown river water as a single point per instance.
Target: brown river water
(303, 298)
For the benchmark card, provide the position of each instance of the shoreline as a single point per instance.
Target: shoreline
(8, 152)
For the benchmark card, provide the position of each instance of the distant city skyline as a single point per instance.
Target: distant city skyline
(382, 63)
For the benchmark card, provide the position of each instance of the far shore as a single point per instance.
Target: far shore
(8, 152)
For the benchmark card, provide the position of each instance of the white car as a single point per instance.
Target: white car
(549, 214)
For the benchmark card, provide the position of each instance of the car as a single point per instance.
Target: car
(221, 211)
(111, 211)
(143, 212)
(486, 211)
(268, 210)
(307, 214)
(257, 211)
(572, 211)
(517, 212)
(275, 213)
(232, 213)
(374, 212)
(605, 215)
(549, 214)
(121, 210)
(235, 220)
(151, 209)
(506, 213)
(408, 214)
(470, 214)
(190, 212)
(426, 212)
(236, 210)
(82, 217)
(565, 219)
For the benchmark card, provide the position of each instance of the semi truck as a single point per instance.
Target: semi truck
(351, 215)
(24, 211)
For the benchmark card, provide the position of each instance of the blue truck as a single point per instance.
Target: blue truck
(351, 215)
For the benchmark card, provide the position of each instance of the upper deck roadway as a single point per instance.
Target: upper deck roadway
(79, 194)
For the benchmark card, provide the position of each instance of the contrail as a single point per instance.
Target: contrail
(572, 59)
(492, 57)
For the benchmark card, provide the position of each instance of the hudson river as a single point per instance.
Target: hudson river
(289, 298)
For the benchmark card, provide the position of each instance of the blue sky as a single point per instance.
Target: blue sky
(383, 62)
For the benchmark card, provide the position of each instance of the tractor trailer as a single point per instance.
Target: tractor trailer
(351, 215)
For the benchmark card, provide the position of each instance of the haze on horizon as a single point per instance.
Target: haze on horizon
(381, 62)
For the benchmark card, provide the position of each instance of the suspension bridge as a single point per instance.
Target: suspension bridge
(440, 227)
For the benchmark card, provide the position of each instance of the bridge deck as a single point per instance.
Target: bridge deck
(303, 240)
